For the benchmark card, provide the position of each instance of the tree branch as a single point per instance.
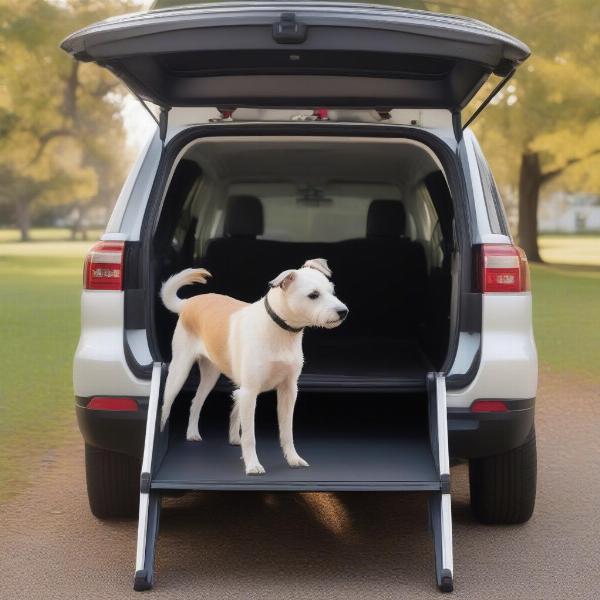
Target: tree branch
(45, 139)
(69, 106)
(549, 175)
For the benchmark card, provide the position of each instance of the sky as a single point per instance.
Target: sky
(138, 123)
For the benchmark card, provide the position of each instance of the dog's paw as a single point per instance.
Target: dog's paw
(255, 469)
(193, 436)
(235, 441)
(296, 461)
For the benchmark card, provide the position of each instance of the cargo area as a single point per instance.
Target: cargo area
(351, 442)
(379, 211)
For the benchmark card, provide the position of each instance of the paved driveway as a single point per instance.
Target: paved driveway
(312, 546)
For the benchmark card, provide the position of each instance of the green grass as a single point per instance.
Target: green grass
(39, 323)
(566, 316)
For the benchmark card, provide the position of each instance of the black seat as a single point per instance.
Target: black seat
(241, 263)
(384, 275)
(233, 259)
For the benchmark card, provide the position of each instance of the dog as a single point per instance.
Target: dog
(258, 346)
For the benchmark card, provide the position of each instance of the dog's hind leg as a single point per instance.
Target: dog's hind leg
(179, 369)
(235, 424)
(208, 378)
(286, 401)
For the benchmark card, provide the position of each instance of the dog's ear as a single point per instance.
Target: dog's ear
(283, 280)
(320, 264)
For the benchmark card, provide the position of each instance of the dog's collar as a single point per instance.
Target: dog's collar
(279, 321)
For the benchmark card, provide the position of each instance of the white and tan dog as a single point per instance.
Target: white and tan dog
(258, 346)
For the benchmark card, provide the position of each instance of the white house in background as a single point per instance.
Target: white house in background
(569, 213)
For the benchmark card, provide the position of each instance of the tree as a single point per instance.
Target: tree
(545, 124)
(57, 117)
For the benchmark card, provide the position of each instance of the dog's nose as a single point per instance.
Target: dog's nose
(342, 313)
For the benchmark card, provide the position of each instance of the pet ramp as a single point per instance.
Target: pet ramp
(377, 455)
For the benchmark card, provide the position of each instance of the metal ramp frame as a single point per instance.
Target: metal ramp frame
(216, 466)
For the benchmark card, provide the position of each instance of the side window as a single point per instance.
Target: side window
(491, 194)
(430, 234)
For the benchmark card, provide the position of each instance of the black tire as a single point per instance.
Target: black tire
(113, 483)
(503, 486)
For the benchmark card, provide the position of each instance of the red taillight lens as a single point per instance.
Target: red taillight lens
(502, 268)
(103, 268)
(112, 403)
(489, 406)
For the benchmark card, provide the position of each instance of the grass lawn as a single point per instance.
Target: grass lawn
(566, 317)
(39, 320)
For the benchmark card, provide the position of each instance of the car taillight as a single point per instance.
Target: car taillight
(112, 403)
(501, 268)
(489, 406)
(103, 268)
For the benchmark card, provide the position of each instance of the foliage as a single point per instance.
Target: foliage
(551, 106)
(61, 137)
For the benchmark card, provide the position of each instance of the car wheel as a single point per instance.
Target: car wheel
(503, 486)
(113, 483)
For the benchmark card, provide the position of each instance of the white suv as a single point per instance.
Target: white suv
(288, 131)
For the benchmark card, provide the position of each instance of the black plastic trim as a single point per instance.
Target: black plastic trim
(473, 435)
(445, 483)
(117, 431)
(141, 581)
(447, 584)
(145, 480)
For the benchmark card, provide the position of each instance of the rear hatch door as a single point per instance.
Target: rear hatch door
(299, 54)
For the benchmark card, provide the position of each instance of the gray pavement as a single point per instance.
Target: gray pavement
(280, 546)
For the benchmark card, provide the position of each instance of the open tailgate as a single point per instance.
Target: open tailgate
(288, 54)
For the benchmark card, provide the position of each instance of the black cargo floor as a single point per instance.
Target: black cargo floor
(351, 443)
(361, 363)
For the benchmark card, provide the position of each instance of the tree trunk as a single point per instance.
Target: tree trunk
(530, 182)
(23, 218)
(79, 224)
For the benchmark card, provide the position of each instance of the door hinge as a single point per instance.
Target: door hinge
(163, 122)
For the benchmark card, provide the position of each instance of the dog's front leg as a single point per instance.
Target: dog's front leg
(246, 400)
(286, 401)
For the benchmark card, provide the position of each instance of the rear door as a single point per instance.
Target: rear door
(301, 54)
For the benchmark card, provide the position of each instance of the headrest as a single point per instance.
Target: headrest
(243, 217)
(386, 218)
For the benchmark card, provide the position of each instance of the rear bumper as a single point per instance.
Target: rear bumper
(118, 431)
(471, 435)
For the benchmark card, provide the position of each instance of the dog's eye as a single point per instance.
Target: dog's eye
(314, 295)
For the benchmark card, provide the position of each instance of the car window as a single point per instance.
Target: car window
(315, 213)
(491, 194)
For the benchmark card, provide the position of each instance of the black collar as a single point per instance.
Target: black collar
(279, 321)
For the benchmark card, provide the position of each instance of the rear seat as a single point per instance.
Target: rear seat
(234, 259)
(241, 264)
(382, 277)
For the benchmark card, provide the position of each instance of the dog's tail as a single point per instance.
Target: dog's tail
(168, 292)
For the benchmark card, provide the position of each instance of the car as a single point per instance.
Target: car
(287, 131)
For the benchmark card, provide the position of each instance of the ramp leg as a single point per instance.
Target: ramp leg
(149, 499)
(146, 545)
(441, 526)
